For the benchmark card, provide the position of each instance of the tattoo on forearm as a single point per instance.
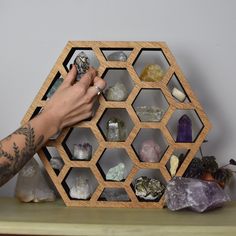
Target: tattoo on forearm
(12, 162)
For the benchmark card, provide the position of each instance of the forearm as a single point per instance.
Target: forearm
(19, 147)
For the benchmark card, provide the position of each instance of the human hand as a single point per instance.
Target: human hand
(73, 101)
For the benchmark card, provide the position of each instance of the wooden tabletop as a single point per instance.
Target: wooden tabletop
(57, 219)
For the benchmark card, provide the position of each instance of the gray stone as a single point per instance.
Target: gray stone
(116, 173)
(195, 194)
(114, 194)
(149, 113)
(117, 56)
(148, 188)
(31, 184)
(80, 189)
(117, 93)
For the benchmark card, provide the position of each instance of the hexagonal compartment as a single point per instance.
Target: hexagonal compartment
(117, 118)
(149, 145)
(36, 112)
(80, 183)
(111, 54)
(80, 144)
(54, 158)
(69, 61)
(112, 157)
(119, 84)
(151, 56)
(55, 84)
(175, 162)
(150, 105)
(177, 90)
(186, 117)
(114, 194)
(151, 174)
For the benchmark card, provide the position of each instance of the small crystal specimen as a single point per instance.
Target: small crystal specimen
(81, 188)
(56, 163)
(82, 151)
(82, 64)
(179, 95)
(174, 164)
(195, 194)
(54, 87)
(152, 73)
(116, 130)
(31, 184)
(117, 56)
(115, 194)
(116, 173)
(117, 93)
(184, 133)
(148, 189)
(150, 151)
(149, 113)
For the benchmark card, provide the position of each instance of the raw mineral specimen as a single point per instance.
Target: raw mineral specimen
(148, 189)
(56, 163)
(149, 113)
(195, 194)
(81, 189)
(117, 56)
(118, 92)
(116, 130)
(150, 151)
(82, 64)
(116, 173)
(152, 73)
(174, 164)
(114, 194)
(184, 133)
(54, 87)
(31, 184)
(179, 95)
(82, 151)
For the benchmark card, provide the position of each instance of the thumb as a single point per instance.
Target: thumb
(71, 76)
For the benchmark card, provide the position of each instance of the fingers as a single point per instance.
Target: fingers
(98, 86)
(71, 76)
(87, 79)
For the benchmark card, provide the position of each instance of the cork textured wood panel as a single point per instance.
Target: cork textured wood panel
(136, 49)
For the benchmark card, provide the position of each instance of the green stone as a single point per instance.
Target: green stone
(116, 173)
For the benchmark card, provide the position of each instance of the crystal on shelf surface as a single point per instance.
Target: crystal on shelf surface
(116, 173)
(184, 132)
(152, 73)
(150, 151)
(118, 92)
(54, 87)
(116, 130)
(149, 113)
(117, 56)
(148, 188)
(82, 64)
(80, 189)
(82, 151)
(31, 184)
(195, 194)
(174, 164)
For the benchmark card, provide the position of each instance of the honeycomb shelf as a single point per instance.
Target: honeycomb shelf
(107, 152)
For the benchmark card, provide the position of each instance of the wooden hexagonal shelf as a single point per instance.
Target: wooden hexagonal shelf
(139, 55)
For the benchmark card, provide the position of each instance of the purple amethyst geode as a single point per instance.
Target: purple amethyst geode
(195, 194)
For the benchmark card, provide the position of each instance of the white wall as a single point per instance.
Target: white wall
(201, 35)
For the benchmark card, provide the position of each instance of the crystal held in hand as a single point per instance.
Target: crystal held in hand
(82, 64)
